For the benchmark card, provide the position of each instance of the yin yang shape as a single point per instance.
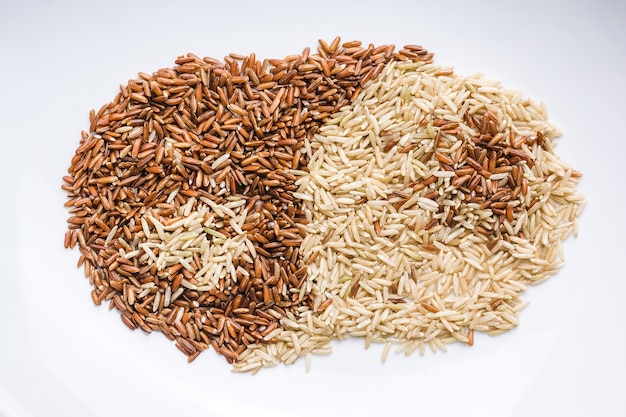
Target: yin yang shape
(267, 207)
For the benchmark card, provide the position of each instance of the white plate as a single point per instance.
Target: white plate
(61, 355)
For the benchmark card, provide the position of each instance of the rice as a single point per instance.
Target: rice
(434, 199)
(267, 208)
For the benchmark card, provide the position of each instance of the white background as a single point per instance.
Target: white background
(62, 356)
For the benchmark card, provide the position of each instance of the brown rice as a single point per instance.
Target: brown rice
(434, 200)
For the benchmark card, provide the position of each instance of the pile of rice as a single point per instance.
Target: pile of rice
(267, 208)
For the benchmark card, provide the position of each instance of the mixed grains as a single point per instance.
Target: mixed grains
(267, 208)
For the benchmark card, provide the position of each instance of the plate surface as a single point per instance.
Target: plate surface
(61, 355)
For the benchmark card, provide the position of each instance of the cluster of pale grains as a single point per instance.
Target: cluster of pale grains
(181, 194)
(434, 199)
